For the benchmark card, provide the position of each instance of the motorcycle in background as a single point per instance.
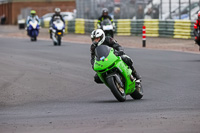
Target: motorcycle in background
(57, 31)
(33, 29)
(107, 27)
(197, 37)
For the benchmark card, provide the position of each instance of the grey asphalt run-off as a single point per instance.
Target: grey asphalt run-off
(50, 89)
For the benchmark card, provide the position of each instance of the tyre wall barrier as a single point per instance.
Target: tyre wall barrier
(182, 29)
(123, 27)
(154, 27)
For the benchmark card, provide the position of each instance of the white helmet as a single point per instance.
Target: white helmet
(96, 34)
(57, 10)
(105, 10)
(92, 35)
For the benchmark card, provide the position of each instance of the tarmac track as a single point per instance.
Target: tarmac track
(48, 89)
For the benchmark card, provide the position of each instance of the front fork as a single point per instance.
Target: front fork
(54, 37)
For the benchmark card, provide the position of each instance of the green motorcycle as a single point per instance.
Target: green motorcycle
(115, 74)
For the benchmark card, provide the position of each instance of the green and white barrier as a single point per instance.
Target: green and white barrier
(154, 27)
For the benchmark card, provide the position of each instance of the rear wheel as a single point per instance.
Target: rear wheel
(138, 93)
(116, 89)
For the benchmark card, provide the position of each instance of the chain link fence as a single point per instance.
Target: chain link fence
(139, 9)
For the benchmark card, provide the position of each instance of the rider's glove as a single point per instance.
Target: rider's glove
(114, 27)
(98, 26)
(119, 53)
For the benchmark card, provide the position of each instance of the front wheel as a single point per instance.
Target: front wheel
(35, 38)
(54, 43)
(112, 33)
(116, 89)
(138, 93)
(59, 40)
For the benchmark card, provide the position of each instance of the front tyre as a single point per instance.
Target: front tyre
(116, 89)
(32, 39)
(54, 43)
(112, 33)
(138, 93)
(59, 40)
(35, 38)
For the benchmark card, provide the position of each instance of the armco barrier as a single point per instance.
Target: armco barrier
(154, 27)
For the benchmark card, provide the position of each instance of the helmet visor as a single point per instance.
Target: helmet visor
(105, 13)
(96, 39)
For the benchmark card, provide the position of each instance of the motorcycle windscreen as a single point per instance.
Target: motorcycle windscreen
(33, 23)
(58, 24)
(105, 58)
(106, 22)
(101, 52)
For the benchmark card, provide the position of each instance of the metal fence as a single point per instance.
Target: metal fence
(139, 9)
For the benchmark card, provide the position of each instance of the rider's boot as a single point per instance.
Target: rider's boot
(136, 75)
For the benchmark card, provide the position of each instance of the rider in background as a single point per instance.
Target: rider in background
(56, 16)
(32, 16)
(196, 30)
(98, 38)
(104, 16)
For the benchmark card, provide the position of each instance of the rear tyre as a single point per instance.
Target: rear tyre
(116, 89)
(138, 93)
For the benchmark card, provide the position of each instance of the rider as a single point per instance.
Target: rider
(98, 38)
(31, 17)
(57, 15)
(104, 16)
(196, 29)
